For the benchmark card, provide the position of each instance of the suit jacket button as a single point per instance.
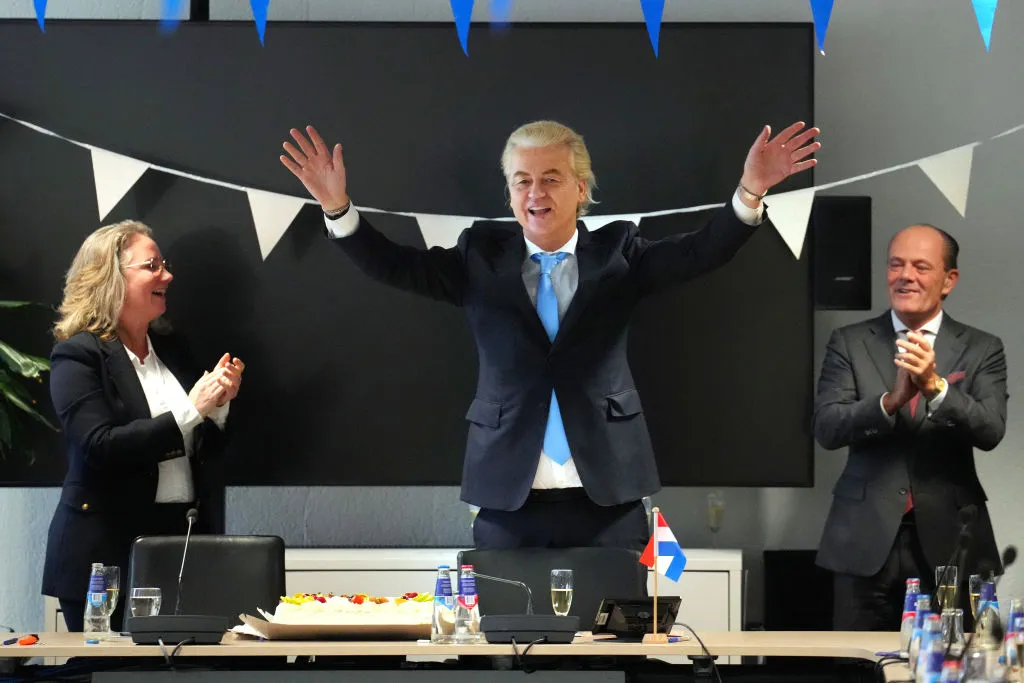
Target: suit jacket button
(85, 506)
(903, 492)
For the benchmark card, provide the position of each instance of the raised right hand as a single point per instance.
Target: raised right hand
(319, 169)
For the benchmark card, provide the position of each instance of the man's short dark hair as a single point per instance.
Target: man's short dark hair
(950, 247)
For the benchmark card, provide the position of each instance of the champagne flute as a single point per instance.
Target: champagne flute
(561, 591)
(946, 583)
(974, 588)
(112, 576)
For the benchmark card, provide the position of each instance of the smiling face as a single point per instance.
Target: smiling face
(545, 193)
(145, 297)
(917, 275)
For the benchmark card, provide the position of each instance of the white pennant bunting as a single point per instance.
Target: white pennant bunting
(789, 213)
(598, 222)
(442, 231)
(951, 173)
(272, 214)
(113, 176)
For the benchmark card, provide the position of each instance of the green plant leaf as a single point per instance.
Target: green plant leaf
(20, 398)
(22, 363)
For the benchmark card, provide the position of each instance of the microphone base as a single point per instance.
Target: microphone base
(200, 629)
(526, 628)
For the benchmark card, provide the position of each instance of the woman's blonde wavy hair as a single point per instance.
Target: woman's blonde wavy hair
(94, 288)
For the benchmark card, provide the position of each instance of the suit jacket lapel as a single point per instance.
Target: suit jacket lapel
(125, 379)
(949, 346)
(881, 348)
(509, 268)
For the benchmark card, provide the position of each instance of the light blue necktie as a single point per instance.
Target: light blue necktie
(556, 445)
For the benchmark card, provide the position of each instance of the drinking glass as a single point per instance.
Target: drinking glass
(145, 602)
(112, 576)
(974, 583)
(561, 591)
(946, 583)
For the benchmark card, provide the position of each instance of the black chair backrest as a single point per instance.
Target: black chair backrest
(598, 573)
(224, 575)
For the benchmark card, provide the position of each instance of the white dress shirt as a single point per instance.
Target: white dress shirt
(930, 330)
(164, 394)
(565, 278)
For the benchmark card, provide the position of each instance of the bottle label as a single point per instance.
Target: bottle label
(467, 585)
(468, 601)
(443, 587)
(97, 599)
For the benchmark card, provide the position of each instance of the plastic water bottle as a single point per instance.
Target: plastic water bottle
(909, 614)
(97, 609)
(443, 621)
(923, 609)
(988, 620)
(467, 609)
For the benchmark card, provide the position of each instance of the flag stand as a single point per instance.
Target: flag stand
(654, 637)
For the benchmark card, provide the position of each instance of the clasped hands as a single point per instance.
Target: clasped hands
(916, 363)
(215, 388)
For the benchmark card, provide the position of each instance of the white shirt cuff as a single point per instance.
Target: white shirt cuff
(745, 213)
(187, 418)
(219, 415)
(936, 402)
(346, 225)
(881, 404)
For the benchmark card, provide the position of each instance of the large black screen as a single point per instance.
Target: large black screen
(352, 383)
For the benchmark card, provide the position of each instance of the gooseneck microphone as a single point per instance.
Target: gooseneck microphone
(498, 579)
(191, 516)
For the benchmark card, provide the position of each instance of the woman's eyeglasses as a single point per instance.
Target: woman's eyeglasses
(154, 265)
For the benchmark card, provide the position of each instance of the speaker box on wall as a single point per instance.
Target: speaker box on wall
(841, 238)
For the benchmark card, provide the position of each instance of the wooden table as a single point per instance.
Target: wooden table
(742, 643)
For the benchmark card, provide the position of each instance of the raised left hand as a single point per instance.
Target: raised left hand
(770, 161)
(918, 358)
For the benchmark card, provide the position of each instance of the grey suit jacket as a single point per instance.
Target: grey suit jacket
(930, 455)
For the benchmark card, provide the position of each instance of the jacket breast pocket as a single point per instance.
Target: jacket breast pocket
(849, 487)
(623, 405)
(484, 413)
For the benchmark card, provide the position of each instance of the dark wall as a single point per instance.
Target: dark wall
(352, 383)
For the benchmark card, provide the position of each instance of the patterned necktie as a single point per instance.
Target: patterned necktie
(556, 445)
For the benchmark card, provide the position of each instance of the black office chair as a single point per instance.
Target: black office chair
(224, 575)
(598, 573)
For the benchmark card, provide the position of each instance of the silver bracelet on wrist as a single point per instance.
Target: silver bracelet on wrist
(747, 194)
(339, 212)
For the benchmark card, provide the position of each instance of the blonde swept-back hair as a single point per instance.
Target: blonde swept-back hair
(546, 133)
(94, 288)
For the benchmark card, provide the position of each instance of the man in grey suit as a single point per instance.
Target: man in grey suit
(912, 393)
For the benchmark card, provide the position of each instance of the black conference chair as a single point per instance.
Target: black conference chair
(598, 573)
(224, 575)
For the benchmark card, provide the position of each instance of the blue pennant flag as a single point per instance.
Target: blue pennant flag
(822, 11)
(985, 10)
(653, 10)
(462, 10)
(41, 14)
(259, 15)
(501, 10)
(170, 15)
